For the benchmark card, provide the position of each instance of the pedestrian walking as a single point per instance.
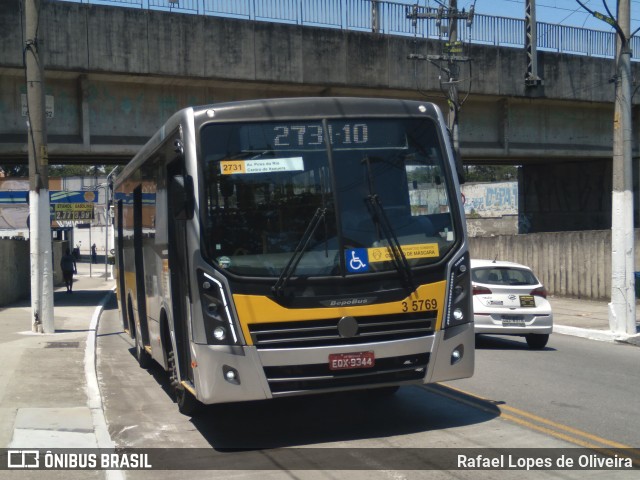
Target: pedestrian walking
(68, 267)
(94, 253)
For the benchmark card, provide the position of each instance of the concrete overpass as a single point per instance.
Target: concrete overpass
(113, 75)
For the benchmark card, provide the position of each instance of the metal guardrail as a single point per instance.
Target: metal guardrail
(391, 19)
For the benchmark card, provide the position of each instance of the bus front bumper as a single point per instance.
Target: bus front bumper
(263, 374)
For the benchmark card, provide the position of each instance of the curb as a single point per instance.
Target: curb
(600, 335)
(94, 397)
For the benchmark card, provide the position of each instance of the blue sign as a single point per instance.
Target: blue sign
(64, 196)
(13, 197)
(357, 260)
(127, 198)
(16, 197)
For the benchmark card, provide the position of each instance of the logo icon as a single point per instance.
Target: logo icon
(357, 260)
(23, 459)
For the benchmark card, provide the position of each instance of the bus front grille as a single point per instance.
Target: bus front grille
(291, 379)
(326, 333)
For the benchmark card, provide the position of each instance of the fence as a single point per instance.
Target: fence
(390, 18)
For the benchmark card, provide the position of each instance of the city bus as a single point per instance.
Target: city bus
(281, 247)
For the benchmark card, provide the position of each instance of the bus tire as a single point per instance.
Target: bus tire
(187, 403)
(144, 359)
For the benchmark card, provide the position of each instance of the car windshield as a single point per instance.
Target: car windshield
(503, 276)
(272, 189)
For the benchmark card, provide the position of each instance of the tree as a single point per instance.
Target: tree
(491, 173)
(15, 170)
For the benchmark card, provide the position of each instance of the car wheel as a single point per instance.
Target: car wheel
(537, 341)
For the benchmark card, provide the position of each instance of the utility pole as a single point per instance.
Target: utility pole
(375, 16)
(531, 44)
(39, 219)
(622, 309)
(448, 61)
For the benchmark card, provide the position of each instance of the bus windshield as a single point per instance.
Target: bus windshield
(276, 195)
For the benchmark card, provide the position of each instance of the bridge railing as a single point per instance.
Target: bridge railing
(390, 18)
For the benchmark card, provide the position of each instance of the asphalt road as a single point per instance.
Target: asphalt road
(578, 383)
(140, 413)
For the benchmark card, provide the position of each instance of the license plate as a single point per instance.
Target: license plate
(513, 321)
(345, 361)
(527, 301)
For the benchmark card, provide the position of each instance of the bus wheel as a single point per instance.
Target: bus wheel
(144, 359)
(187, 403)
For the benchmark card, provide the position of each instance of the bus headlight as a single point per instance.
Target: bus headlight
(216, 315)
(219, 333)
(459, 309)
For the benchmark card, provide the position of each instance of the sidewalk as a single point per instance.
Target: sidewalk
(49, 394)
(588, 319)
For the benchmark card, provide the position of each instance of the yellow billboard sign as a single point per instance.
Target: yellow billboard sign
(73, 211)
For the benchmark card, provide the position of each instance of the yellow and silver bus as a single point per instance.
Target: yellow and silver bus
(281, 247)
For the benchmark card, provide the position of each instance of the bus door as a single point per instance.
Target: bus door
(121, 280)
(139, 265)
(179, 265)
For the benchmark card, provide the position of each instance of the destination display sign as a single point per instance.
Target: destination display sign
(296, 136)
(229, 167)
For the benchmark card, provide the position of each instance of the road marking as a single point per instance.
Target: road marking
(535, 422)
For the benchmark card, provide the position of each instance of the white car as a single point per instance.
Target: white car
(508, 299)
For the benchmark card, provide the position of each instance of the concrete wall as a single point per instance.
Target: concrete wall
(491, 226)
(94, 38)
(571, 264)
(569, 196)
(15, 272)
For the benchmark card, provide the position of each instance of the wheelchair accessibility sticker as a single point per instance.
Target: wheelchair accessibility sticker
(357, 260)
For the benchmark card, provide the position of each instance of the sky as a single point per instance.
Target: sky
(565, 12)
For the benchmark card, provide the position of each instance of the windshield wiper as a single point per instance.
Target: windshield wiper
(379, 217)
(295, 258)
(382, 223)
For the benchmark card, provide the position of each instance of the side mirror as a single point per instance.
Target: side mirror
(181, 197)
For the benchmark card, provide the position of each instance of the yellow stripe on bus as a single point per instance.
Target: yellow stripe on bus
(259, 309)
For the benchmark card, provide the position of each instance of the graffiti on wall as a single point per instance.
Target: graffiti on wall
(490, 199)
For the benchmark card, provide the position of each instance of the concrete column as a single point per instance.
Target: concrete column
(84, 111)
